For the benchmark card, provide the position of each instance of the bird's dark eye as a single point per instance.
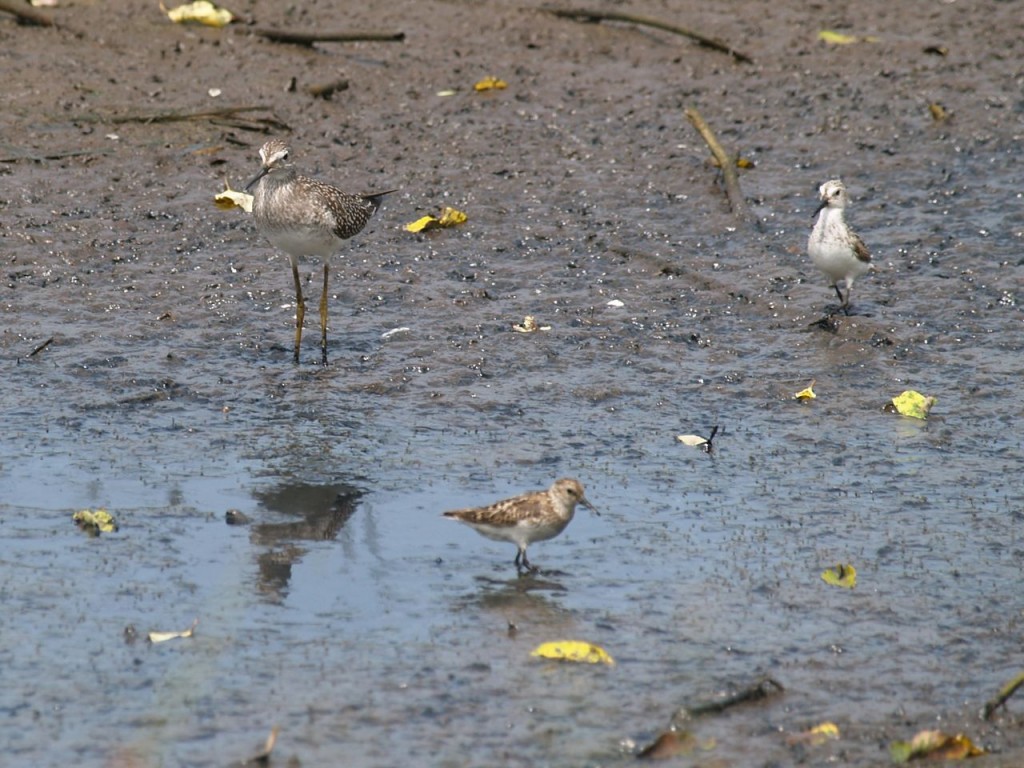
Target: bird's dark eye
(572, 491)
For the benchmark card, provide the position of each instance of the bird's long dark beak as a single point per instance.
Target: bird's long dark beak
(589, 506)
(816, 210)
(263, 172)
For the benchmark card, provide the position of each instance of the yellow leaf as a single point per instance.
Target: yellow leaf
(836, 38)
(202, 11)
(825, 731)
(573, 650)
(741, 162)
(816, 736)
(934, 745)
(913, 404)
(95, 521)
(806, 394)
(162, 637)
(841, 576)
(450, 217)
(420, 225)
(490, 83)
(938, 112)
(231, 198)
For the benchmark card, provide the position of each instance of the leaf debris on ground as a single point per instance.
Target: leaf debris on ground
(95, 521)
(163, 637)
(573, 650)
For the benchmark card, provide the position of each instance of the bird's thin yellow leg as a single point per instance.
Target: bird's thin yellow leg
(300, 308)
(323, 318)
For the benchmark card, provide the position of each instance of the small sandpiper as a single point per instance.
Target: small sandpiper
(305, 217)
(530, 517)
(834, 248)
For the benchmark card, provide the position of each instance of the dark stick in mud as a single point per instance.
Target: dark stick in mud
(726, 163)
(205, 114)
(26, 13)
(308, 38)
(1004, 693)
(40, 348)
(628, 18)
(327, 90)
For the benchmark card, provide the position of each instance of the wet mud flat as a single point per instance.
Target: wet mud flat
(346, 611)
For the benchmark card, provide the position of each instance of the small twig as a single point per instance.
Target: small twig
(40, 348)
(38, 158)
(764, 688)
(173, 117)
(727, 165)
(1004, 693)
(308, 38)
(26, 13)
(709, 42)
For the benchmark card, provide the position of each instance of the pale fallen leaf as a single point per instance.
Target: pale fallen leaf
(840, 576)
(573, 650)
(934, 745)
(201, 11)
(692, 440)
(617, 303)
(268, 747)
(697, 440)
(162, 637)
(231, 198)
(529, 325)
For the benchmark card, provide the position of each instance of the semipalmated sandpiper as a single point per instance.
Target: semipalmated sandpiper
(834, 248)
(530, 517)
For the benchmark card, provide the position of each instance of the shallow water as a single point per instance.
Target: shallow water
(348, 612)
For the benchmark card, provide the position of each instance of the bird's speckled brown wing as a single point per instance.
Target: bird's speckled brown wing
(507, 513)
(861, 250)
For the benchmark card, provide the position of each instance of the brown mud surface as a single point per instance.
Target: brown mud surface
(146, 338)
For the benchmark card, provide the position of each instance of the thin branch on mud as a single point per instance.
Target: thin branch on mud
(628, 18)
(726, 163)
(38, 158)
(26, 13)
(206, 114)
(1004, 693)
(40, 348)
(765, 688)
(308, 38)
